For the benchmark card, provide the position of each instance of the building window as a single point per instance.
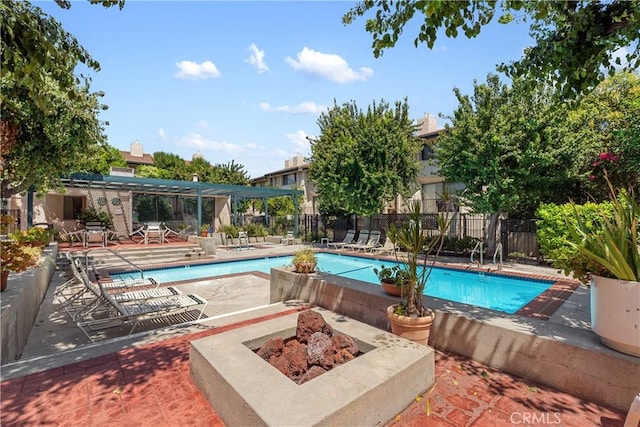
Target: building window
(72, 207)
(289, 179)
(427, 152)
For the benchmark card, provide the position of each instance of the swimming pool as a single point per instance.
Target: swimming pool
(493, 291)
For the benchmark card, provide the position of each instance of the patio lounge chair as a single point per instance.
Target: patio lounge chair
(136, 311)
(92, 297)
(362, 240)
(372, 242)
(349, 238)
(387, 248)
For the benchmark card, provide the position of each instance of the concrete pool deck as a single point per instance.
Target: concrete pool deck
(132, 380)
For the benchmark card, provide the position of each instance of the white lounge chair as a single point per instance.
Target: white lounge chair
(349, 238)
(362, 240)
(91, 298)
(387, 248)
(137, 311)
(372, 242)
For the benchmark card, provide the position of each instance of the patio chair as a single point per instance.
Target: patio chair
(95, 234)
(363, 236)
(289, 239)
(348, 239)
(136, 311)
(153, 233)
(372, 242)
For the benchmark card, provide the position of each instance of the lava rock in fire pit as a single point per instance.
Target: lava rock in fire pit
(313, 351)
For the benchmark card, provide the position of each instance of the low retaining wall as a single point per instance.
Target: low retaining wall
(568, 359)
(21, 303)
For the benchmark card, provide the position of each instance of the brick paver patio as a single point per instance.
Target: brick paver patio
(151, 386)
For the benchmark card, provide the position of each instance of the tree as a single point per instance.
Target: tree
(606, 127)
(501, 145)
(49, 116)
(576, 41)
(232, 173)
(361, 160)
(99, 160)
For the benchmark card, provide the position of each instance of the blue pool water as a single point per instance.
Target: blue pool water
(497, 292)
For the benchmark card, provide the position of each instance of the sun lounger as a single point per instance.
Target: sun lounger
(349, 238)
(387, 248)
(91, 297)
(136, 311)
(372, 242)
(362, 240)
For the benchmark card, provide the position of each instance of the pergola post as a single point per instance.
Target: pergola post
(295, 215)
(199, 204)
(266, 211)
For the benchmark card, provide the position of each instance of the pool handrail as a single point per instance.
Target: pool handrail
(135, 267)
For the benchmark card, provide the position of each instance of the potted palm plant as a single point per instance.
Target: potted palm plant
(607, 255)
(410, 318)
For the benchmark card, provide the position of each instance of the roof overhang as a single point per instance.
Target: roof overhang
(173, 187)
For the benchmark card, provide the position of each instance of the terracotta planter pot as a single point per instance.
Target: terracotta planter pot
(615, 313)
(204, 233)
(4, 276)
(391, 289)
(416, 329)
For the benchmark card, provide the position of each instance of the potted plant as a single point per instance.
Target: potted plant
(392, 279)
(607, 255)
(204, 230)
(304, 261)
(410, 318)
(16, 257)
(34, 236)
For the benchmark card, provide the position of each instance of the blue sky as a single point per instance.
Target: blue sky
(246, 81)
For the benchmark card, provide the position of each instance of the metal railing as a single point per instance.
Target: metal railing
(480, 249)
(497, 253)
(135, 267)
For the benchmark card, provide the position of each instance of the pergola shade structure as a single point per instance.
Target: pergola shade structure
(183, 188)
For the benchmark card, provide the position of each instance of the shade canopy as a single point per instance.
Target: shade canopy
(170, 186)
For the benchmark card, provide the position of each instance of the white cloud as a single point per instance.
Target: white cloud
(199, 142)
(162, 136)
(193, 71)
(256, 59)
(329, 66)
(202, 124)
(308, 107)
(300, 142)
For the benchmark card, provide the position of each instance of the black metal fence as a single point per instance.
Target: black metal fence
(517, 237)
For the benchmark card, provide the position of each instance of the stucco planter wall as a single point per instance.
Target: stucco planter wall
(21, 303)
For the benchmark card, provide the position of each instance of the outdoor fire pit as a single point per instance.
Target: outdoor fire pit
(244, 389)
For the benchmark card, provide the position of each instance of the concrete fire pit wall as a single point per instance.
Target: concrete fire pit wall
(21, 303)
(569, 359)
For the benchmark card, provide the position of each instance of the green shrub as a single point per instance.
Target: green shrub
(255, 230)
(93, 215)
(552, 227)
(459, 246)
(229, 229)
